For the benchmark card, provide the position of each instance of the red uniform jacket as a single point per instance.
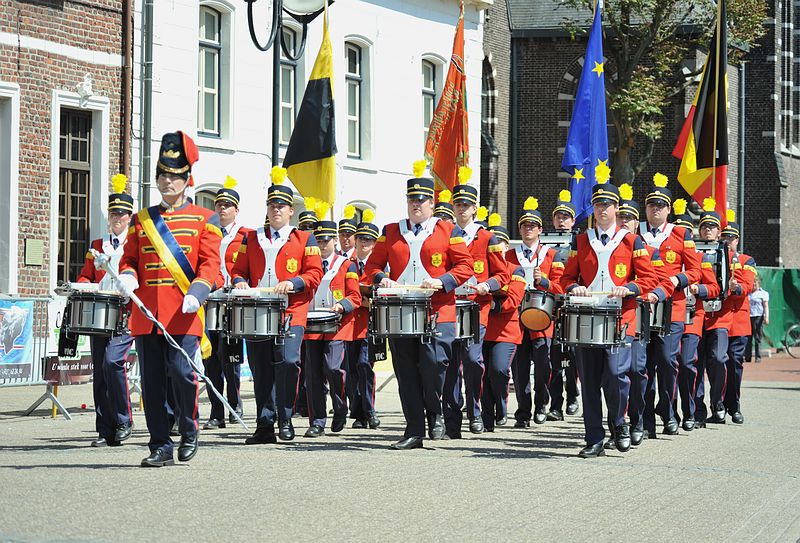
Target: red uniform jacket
(724, 317)
(298, 261)
(444, 255)
(232, 252)
(708, 288)
(681, 260)
(344, 288)
(196, 230)
(90, 274)
(361, 319)
(744, 270)
(552, 268)
(504, 317)
(629, 266)
(489, 267)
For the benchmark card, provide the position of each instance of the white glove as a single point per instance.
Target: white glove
(126, 284)
(100, 260)
(190, 304)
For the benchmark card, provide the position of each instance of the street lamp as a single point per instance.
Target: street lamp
(303, 11)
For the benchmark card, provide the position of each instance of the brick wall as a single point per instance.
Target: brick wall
(88, 24)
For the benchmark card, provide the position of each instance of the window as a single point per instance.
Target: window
(74, 166)
(205, 198)
(354, 79)
(288, 85)
(428, 96)
(208, 72)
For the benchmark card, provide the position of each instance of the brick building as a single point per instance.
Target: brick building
(545, 66)
(61, 65)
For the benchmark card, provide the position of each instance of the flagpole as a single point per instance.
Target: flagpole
(716, 106)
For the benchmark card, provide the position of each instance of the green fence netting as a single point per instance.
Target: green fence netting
(783, 286)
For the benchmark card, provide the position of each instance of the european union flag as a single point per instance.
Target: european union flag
(586, 152)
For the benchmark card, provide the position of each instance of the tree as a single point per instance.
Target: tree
(647, 43)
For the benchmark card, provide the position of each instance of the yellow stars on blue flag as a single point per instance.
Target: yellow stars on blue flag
(578, 175)
(598, 68)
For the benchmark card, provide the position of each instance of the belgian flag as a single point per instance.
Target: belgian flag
(311, 155)
(703, 142)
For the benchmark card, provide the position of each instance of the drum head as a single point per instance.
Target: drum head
(535, 320)
(323, 316)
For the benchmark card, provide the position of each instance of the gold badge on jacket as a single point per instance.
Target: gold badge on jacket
(621, 270)
(436, 259)
(291, 265)
(337, 294)
(478, 266)
(670, 256)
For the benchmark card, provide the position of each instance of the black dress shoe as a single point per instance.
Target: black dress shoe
(213, 424)
(592, 451)
(187, 448)
(287, 431)
(637, 436)
(239, 411)
(716, 418)
(338, 425)
(262, 436)
(737, 417)
(407, 444)
(699, 424)
(622, 437)
(452, 435)
(540, 416)
(609, 445)
(358, 423)
(314, 431)
(476, 426)
(123, 432)
(522, 424)
(502, 421)
(158, 459)
(688, 424)
(572, 407)
(105, 442)
(555, 414)
(374, 422)
(436, 430)
(671, 427)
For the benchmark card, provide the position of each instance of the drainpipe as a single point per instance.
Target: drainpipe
(740, 171)
(127, 79)
(512, 174)
(145, 170)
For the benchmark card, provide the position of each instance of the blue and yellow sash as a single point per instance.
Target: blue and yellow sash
(171, 254)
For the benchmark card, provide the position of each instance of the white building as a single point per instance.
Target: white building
(390, 61)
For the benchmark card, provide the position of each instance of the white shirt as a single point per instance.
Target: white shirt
(611, 232)
(424, 224)
(283, 233)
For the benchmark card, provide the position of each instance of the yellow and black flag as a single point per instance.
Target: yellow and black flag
(311, 154)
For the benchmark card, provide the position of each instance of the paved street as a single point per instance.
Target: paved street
(725, 483)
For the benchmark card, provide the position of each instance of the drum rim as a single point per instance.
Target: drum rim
(96, 296)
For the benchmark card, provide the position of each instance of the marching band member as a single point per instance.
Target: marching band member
(443, 208)
(503, 335)
(682, 218)
(563, 377)
(362, 407)
(744, 270)
(712, 352)
(543, 269)
(347, 231)
(171, 259)
(338, 292)
(628, 218)
(112, 400)
(682, 263)
(224, 364)
(425, 251)
(490, 274)
(307, 220)
(607, 259)
(280, 257)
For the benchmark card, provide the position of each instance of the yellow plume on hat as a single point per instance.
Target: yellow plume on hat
(368, 215)
(494, 219)
(445, 196)
(419, 167)
(626, 191)
(321, 208)
(464, 174)
(531, 204)
(278, 175)
(730, 215)
(565, 195)
(679, 206)
(118, 183)
(482, 213)
(310, 203)
(349, 211)
(229, 183)
(709, 204)
(660, 180)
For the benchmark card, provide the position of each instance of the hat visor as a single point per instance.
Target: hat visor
(604, 200)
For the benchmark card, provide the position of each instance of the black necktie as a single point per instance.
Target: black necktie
(114, 243)
(527, 252)
(360, 268)
(604, 238)
(417, 229)
(654, 231)
(324, 266)
(224, 231)
(276, 235)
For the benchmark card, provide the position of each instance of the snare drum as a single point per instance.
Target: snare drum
(95, 314)
(643, 318)
(537, 310)
(468, 320)
(323, 322)
(691, 309)
(661, 317)
(590, 326)
(215, 313)
(399, 314)
(256, 317)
